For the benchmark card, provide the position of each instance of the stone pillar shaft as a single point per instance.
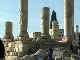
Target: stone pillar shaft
(55, 29)
(23, 16)
(8, 27)
(8, 30)
(77, 29)
(73, 19)
(76, 32)
(45, 21)
(68, 18)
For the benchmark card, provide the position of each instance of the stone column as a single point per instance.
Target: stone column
(23, 18)
(76, 32)
(23, 43)
(68, 15)
(8, 30)
(73, 19)
(8, 40)
(45, 22)
(55, 28)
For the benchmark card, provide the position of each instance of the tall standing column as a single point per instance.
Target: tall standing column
(55, 29)
(23, 38)
(45, 22)
(73, 19)
(23, 17)
(68, 15)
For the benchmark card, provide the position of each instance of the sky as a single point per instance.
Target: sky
(9, 11)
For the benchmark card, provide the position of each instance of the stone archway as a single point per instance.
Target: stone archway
(2, 49)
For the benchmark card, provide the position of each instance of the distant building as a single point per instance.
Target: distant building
(34, 35)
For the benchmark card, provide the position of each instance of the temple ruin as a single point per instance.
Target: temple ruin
(17, 48)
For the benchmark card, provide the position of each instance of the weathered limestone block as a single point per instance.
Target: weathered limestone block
(10, 53)
(16, 45)
(8, 49)
(75, 49)
(66, 39)
(55, 29)
(20, 45)
(22, 38)
(5, 45)
(23, 49)
(10, 57)
(58, 58)
(45, 21)
(16, 53)
(66, 58)
(76, 57)
(8, 27)
(8, 31)
(67, 53)
(23, 42)
(11, 44)
(21, 54)
(16, 49)
(58, 54)
(18, 42)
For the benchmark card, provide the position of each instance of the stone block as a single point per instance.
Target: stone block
(16, 53)
(11, 54)
(76, 57)
(66, 58)
(18, 42)
(9, 44)
(21, 45)
(23, 49)
(22, 38)
(8, 49)
(5, 45)
(58, 58)
(67, 53)
(21, 54)
(8, 40)
(58, 54)
(16, 49)
(75, 49)
(17, 45)
(10, 57)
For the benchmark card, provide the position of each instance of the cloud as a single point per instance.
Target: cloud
(6, 14)
(6, 17)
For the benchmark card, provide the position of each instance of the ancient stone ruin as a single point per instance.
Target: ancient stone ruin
(25, 48)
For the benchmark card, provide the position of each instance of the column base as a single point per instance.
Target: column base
(47, 36)
(26, 35)
(67, 39)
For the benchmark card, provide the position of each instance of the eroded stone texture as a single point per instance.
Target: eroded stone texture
(55, 28)
(23, 44)
(68, 19)
(45, 21)
(23, 18)
(8, 30)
